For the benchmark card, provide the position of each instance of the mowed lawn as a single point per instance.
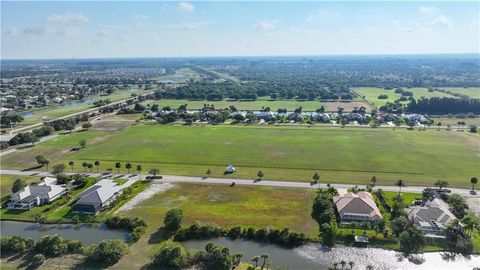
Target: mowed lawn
(290, 105)
(340, 155)
(371, 94)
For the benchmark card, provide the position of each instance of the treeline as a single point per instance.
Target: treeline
(252, 90)
(103, 254)
(283, 237)
(437, 105)
(323, 211)
(135, 225)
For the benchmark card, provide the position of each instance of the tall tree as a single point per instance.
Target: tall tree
(71, 163)
(473, 181)
(316, 177)
(255, 260)
(264, 256)
(118, 165)
(260, 175)
(173, 219)
(97, 164)
(128, 166)
(400, 183)
(373, 181)
(154, 171)
(58, 169)
(85, 165)
(441, 184)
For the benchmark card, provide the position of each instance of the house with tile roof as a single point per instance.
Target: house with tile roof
(357, 207)
(36, 194)
(431, 218)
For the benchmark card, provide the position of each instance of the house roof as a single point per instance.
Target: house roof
(46, 188)
(99, 193)
(435, 210)
(361, 203)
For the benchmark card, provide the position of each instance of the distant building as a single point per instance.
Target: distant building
(321, 117)
(357, 207)
(431, 218)
(265, 115)
(35, 195)
(95, 198)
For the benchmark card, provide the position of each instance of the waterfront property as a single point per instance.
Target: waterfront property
(35, 195)
(98, 196)
(353, 207)
(431, 218)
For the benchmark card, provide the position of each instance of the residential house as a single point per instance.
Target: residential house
(431, 218)
(35, 195)
(321, 117)
(265, 115)
(96, 197)
(358, 207)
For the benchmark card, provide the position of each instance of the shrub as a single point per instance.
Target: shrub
(38, 259)
(173, 219)
(50, 245)
(107, 252)
(137, 233)
(171, 256)
(12, 244)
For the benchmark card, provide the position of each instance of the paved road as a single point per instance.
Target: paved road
(246, 182)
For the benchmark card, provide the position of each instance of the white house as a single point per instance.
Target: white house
(432, 218)
(34, 195)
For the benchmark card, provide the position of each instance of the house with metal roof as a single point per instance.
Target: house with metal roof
(431, 218)
(36, 194)
(96, 197)
(357, 207)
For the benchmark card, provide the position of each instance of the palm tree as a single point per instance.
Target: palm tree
(335, 265)
(474, 181)
(400, 183)
(264, 256)
(369, 267)
(139, 169)
(316, 177)
(46, 163)
(255, 260)
(118, 166)
(90, 166)
(350, 264)
(208, 172)
(85, 165)
(343, 263)
(373, 181)
(441, 184)
(97, 163)
(128, 166)
(260, 175)
(71, 163)
(154, 171)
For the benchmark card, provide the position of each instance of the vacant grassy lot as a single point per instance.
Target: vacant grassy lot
(344, 155)
(371, 94)
(223, 205)
(290, 105)
(453, 121)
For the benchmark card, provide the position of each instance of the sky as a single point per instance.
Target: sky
(99, 29)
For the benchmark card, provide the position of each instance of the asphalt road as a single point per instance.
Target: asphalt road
(244, 182)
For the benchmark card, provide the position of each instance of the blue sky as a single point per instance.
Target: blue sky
(154, 29)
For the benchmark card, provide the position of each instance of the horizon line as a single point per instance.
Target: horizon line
(246, 56)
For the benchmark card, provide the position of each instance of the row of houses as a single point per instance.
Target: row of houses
(90, 201)
(431, 218)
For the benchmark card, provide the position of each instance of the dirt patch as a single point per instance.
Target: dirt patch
(474, 204)
(148, 193)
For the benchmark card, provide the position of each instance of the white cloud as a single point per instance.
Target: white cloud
(266, 25)
(427, 10)
(441, 20)
(188, 25)
(67, 17)
(68, 31)
(414, 27)
(473, 27)
(35, 30)
(185, 7)
(12, 31)
(104, 33)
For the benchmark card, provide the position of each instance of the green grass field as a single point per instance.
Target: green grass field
(340, 155)
(290, 105)
(473, 92)
(55, 111)
(371, 94)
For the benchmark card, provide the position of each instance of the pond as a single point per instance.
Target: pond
(26, 114)
(314, 256)
(86, 233)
